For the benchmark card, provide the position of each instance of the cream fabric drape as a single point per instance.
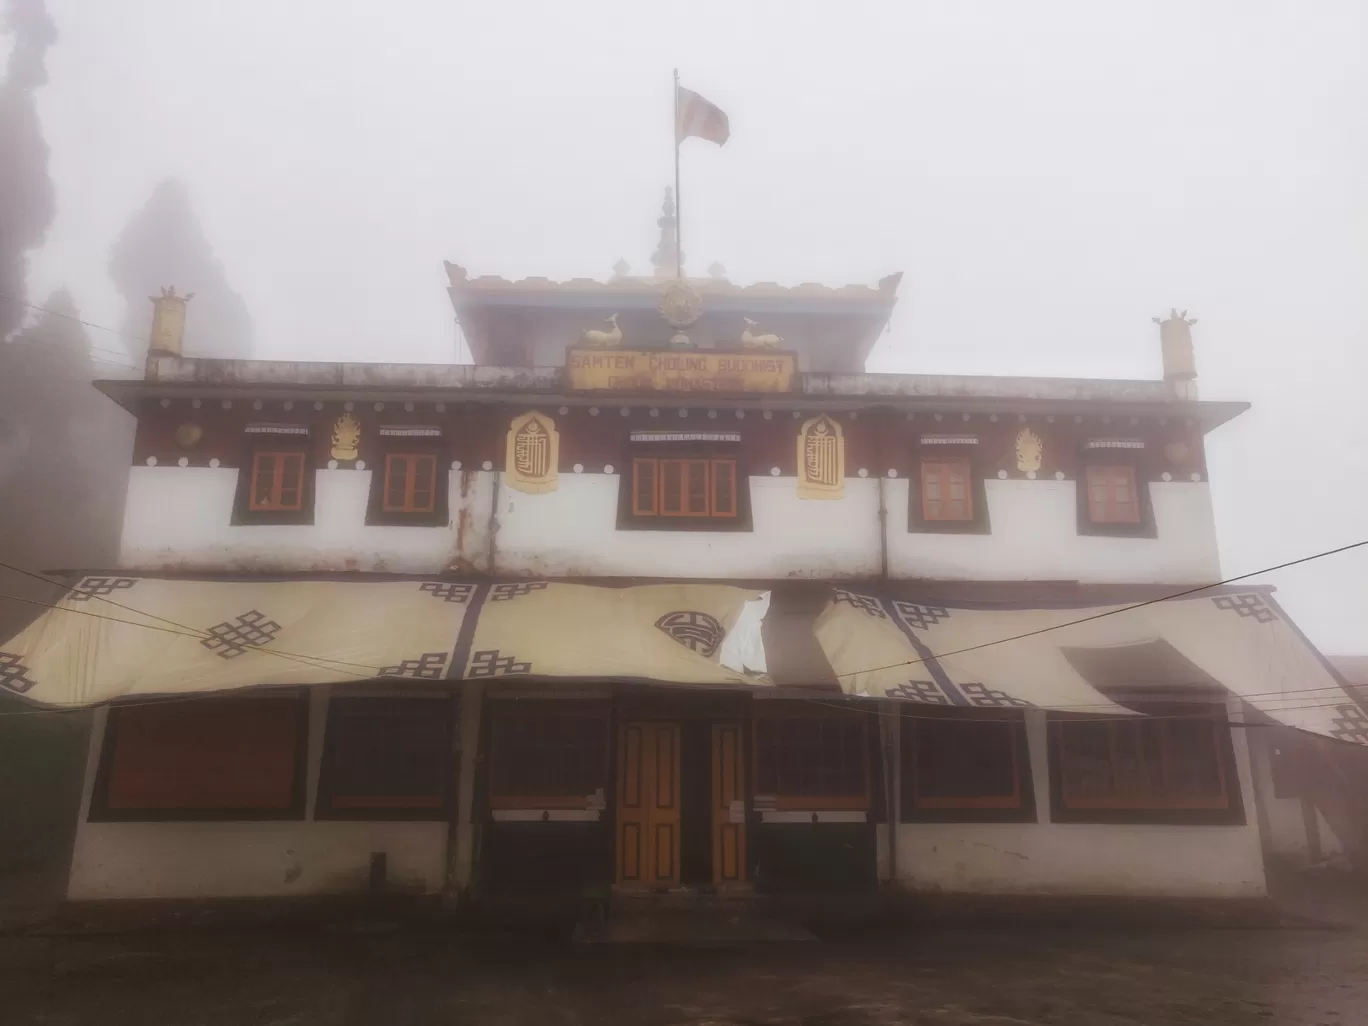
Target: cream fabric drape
(948, 655)
(116, 636)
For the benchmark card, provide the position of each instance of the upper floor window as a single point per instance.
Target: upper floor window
(277, 481)
(410, 483)
(687, 491)
(1112, 495)
(947, 494)
(946, 490)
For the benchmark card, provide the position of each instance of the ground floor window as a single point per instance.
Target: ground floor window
(812, 758)
(547, 754)
(962, 765)
(1175, 765)
(236, 757)
(386, 758)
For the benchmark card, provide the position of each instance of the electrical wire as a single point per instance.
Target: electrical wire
(1109, 612)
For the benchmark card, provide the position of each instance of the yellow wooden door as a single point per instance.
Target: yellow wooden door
(728, 804)
(648, 805)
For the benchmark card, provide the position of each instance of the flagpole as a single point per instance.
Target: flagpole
(679, 221)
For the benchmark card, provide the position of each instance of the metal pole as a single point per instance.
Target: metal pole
(679, 220)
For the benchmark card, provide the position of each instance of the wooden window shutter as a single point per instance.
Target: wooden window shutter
(645, 473)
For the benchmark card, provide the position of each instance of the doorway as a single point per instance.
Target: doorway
(681, 805)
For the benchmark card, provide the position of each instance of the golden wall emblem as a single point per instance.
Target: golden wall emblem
(1030, 450)
(821, 459)
(346, 437)
(533, 454)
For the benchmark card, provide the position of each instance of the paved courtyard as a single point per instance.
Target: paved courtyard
(1061, 977)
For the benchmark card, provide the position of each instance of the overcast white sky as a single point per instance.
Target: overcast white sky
(1049, 176)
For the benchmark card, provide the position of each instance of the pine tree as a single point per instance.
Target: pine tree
(164, 244)
(26, 194)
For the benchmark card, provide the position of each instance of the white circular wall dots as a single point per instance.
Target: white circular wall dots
(863, 471)
(455, 464)
(151, 461)
(378, 407)
(593, 411)
(349, 406)
(227, 404)
(964, 417)
(195, 404)
(892, 471)
(1049, 419)
(1166, 476)
(683, 412)
(938, 416)
(214, 463)
(184, 461)
(360, 464)
(439, 407)
(1002, 475)
(165, 403)
(624, 411)
(655, 412)
(992, 418)
(408, 407)
(1030, 475)
(774, 471)
(1059, 475)
(318, 406)
(332, 464)
(797, 414)
(769, 414)
(607, 468)
(578, 468)
(1196, 476)
(712, 414)
(854, 415)
(487, 465)
(288, 404)
(256, 404)
(564, 411)
(740, 414)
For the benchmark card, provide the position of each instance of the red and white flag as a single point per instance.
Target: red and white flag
(701, 118)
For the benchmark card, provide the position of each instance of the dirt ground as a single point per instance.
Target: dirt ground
(1063, 977)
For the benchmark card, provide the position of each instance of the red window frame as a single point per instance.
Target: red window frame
(409, 477)
(277, 481)
(939, 478)
(230, 757)
(1142, 761)
(1113, 497)
(367, 738)
(562, 745)
(1008, 733)
(794, 748)
(700, 487)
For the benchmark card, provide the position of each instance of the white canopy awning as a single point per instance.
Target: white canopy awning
(116, 636)
(945, 654)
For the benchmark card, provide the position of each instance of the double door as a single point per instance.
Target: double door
(651, 812)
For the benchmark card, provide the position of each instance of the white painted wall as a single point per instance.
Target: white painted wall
(179, 518)
(1035, 538)
(249, 859)
(573, 531)
(1083, 858)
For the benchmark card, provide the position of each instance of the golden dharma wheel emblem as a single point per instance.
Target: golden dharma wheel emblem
(188, 435)
(680, 305)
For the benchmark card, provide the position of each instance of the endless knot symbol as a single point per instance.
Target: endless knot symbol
(1246, 605)
(920, 616)
(923, 691)
(698, 632)
(228, 640)
(982, 694)
(504, 592)
(866, 602)
(491, 664)
(14, 674)
(448, 592)
(1351, 724)
(428, 666)
(94, 587)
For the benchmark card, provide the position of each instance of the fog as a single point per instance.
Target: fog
(1049, 176)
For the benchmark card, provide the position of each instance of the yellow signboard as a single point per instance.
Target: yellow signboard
(664, 370)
